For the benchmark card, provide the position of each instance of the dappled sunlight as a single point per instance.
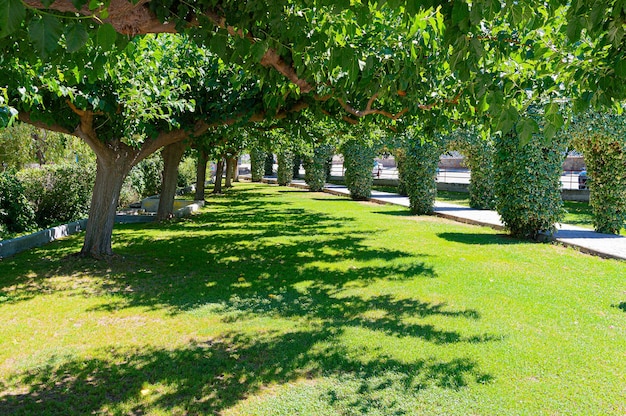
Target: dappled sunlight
(225, 370)
(269, 298)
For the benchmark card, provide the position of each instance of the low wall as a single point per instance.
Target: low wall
(151, 204)
(17, 245)
(581, 195)
(26, 242)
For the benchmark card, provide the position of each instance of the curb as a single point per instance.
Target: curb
(17, 245)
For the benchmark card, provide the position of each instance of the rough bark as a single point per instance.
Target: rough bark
(201, 175)
(219, 171)
(110, 173)
(230, 163)
(40, 146)
(172, 154)
(236, 170)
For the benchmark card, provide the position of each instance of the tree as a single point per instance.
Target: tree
(201, 165)
(386, 60)
(22, 144)
(403, 56)
(285, 167)
(528, 184)
(358, 161)
(172, 155)
(479, 153)
(139, 104)
(419, 166)
(601, 137)
(257, 160)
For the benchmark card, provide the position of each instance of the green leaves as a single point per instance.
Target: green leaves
(508, 118)
(12, 13)
(76, 37)
(106, 36)
(554, 121)
(45, 33)
(526, 127)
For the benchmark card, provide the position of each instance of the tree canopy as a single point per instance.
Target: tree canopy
(386, 58)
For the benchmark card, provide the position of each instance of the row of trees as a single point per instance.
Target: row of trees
(522, 182)
(401, 64)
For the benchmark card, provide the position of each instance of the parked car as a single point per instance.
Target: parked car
(582, 179)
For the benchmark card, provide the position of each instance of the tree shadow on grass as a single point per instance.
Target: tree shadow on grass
(210, 375)
(480, 239)
(621, 306)
(238, 263)
(400, 213)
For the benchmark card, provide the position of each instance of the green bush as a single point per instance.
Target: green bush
(257, 164)
(479, 154)
(602, 140)
(152, 174)
(419, 166)
(187, 172)
(132, 187)
(285, 167)
(16, 213)
(315, 167)
(358, 163)
(297, 162)
(59, 193)
(528, 184)
(269, 164)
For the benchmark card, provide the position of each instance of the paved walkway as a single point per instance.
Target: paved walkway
(586, 240)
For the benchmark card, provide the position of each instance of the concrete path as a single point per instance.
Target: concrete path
(586, 240)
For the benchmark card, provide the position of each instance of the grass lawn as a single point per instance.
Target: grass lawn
(276, 301)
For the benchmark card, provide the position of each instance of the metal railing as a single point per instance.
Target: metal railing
(569, 179)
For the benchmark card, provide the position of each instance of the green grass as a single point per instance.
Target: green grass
(275, 301)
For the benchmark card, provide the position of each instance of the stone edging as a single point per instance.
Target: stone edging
(17, 245)
(26, 242)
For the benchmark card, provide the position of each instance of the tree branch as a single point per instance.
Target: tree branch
(24, 117)
(368, 109)
(271, 58)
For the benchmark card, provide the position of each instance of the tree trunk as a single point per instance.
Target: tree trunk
(230, 161)
(172, 154)
(110, 173)
(236, 169)
(219, 171)
(40, 146)
(201, 175)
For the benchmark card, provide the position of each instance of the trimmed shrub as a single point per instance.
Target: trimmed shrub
(315, 167)
(419, 166)
(358, 163)
(602, 140)
(479, 154)
(285, 167)
(269, 164)
(528, 184)
(257, 164)
(296, 163)
(16, 213)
